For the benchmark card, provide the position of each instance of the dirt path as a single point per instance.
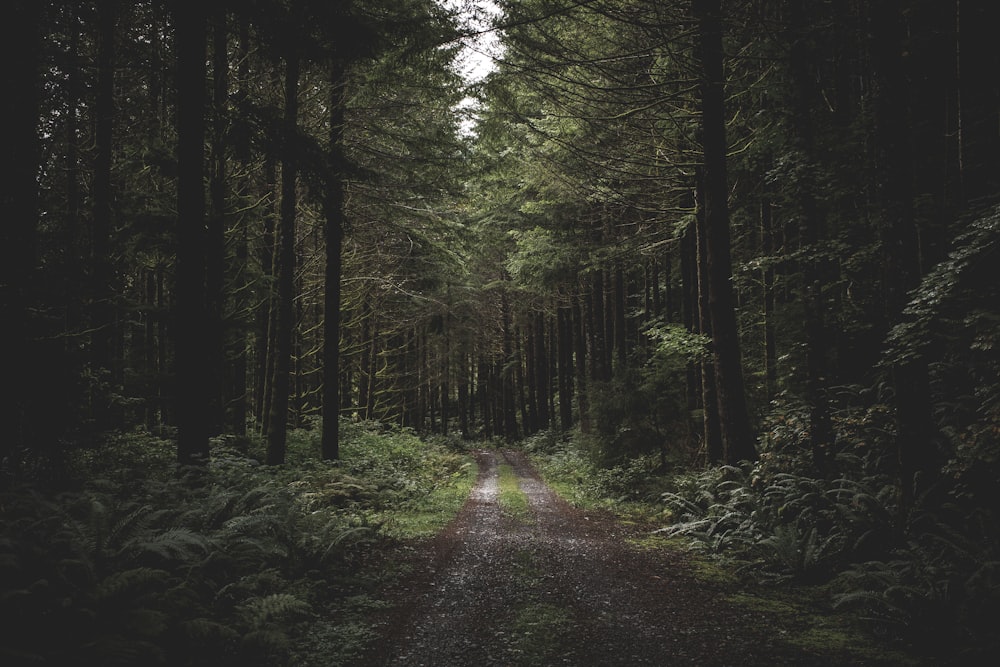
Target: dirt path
(563, 587)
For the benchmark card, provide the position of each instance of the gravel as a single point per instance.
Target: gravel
(564, 588)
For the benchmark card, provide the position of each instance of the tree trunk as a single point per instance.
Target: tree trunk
(711, 429)
(901, 263)
(103, 295)
(240, 369)
(541, 363)
(192, 348)
(690, 307)
(767, 281)
(334, 229)
(580, 340)
(284, 333)
(19, 210)
(506, 377)
(565, 372)
(805, 98)
(734, 421)
(216, 249)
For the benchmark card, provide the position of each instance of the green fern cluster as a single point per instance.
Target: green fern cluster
(220, 566)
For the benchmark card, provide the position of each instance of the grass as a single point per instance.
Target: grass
(513, 502)
(538, 633)
(428, 515)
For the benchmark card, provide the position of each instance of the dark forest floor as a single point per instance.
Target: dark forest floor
(556, 585)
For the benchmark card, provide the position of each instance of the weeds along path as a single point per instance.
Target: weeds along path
(556, 586)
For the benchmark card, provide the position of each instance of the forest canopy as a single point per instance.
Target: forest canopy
(757, 233)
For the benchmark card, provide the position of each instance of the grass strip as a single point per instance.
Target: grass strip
(429, 514)
(513, 502)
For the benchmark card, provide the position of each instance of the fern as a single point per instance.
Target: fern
(260, 612)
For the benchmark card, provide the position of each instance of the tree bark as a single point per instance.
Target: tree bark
(218, 391)
(20, 46)
(915, 449)
(191, 347)
(334, 230)
(734, 420)
(102, 292)
(277, 433)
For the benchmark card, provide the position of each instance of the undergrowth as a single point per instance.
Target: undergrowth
(925, 578)
(142, 563)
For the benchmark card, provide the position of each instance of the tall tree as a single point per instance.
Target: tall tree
(285, 268)
(334, 230)
(734, 420)
(102, 290)
(19, 43)
(192, 347)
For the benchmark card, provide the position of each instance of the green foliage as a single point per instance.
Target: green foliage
(513, 501)
(219, 566)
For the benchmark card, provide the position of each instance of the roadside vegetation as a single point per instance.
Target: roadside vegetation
(837, 550)
(233, 563)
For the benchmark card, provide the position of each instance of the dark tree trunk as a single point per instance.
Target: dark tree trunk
(620, 325)
(565, 371)
(277, 432)
(806, 97)
(598, 342)
(365, 363)
(505, 376)
(711, 429)
(767, 282)
(541, 363)
(580, 347)
(334, 229)
(734, 420)
(19, 211)
(266, 312)
(901, 262)
(192, 348)
(690, 307)
(218, 390)
(102, 310)
(531, 380)
(238, 345)
(463, 394)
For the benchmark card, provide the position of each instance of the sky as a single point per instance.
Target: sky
(477, 58)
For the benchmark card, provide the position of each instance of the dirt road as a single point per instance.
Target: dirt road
(564, 587)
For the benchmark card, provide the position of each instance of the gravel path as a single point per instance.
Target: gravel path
(565, 588)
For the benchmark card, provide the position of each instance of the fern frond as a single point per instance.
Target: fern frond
(131, 582)
(277, 607)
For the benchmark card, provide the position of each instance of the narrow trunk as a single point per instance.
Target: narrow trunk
(277, 432)
(215, 262)
(191, 347)
(541, 363)
(333, 209)
(580, 341)
(711, 430)
(565, 345)
(102, 291)
(734, 420)
(915, 447)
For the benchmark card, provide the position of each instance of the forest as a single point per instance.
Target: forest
(272, 269)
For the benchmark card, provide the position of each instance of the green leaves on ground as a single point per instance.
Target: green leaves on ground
(233, 565)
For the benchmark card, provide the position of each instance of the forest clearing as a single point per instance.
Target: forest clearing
(517, 332)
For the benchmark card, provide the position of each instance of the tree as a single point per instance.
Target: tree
(285, 268)
(334, 233)
(734, 420)
(191, 347)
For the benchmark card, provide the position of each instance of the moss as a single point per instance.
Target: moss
(539, 632)
(817, 630)
(513, 503)
(429, 514)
